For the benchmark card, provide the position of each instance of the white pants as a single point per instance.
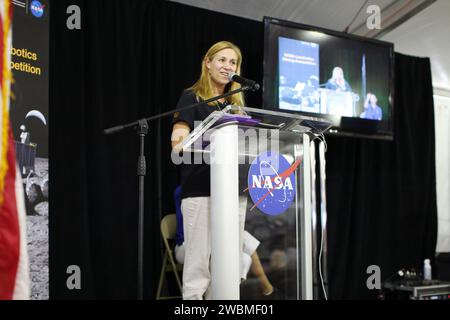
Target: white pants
(250, 246)
(197, 243)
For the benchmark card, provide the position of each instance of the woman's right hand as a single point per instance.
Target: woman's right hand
(180, 131)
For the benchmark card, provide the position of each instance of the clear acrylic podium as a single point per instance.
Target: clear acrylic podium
(277, 213)
(338, 103)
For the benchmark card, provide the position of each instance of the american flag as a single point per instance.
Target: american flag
(14, 276)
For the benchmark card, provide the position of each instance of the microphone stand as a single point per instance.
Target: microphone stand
(142, 128)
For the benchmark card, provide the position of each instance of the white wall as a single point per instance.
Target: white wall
(442, 130)
(424, 35)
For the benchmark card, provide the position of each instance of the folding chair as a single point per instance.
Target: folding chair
(168, 232)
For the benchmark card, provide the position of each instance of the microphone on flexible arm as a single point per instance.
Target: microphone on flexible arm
(232, 76)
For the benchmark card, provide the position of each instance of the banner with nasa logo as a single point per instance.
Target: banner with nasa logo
(29, 122)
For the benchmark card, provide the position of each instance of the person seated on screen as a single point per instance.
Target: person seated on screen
(310, 95)
(337, 81)
(371, 110)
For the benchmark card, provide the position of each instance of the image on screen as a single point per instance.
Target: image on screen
(346, 79)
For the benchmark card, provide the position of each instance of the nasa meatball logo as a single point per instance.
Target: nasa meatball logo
(271, 183)
(37, 9)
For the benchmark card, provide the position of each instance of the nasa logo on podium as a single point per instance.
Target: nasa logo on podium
(271, 183)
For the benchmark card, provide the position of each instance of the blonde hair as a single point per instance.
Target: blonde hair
(203, 88)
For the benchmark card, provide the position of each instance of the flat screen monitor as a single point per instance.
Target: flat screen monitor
(346, 79)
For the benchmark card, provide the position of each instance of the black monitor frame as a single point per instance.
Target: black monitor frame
(342, 126)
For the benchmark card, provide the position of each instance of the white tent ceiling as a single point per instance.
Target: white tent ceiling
(427, 35)
(416, 27)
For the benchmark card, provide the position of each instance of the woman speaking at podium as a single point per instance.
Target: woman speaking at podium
(221, 59)
(337, 81)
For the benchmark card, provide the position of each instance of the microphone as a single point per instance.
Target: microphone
(232, 76)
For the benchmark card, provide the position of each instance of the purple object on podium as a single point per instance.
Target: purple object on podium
(237, 118)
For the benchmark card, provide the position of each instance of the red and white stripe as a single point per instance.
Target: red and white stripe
(14, 275)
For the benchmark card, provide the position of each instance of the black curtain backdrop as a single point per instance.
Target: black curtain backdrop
(382, 195)
(132, 59)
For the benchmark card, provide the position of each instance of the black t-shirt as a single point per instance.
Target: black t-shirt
(195, 178)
